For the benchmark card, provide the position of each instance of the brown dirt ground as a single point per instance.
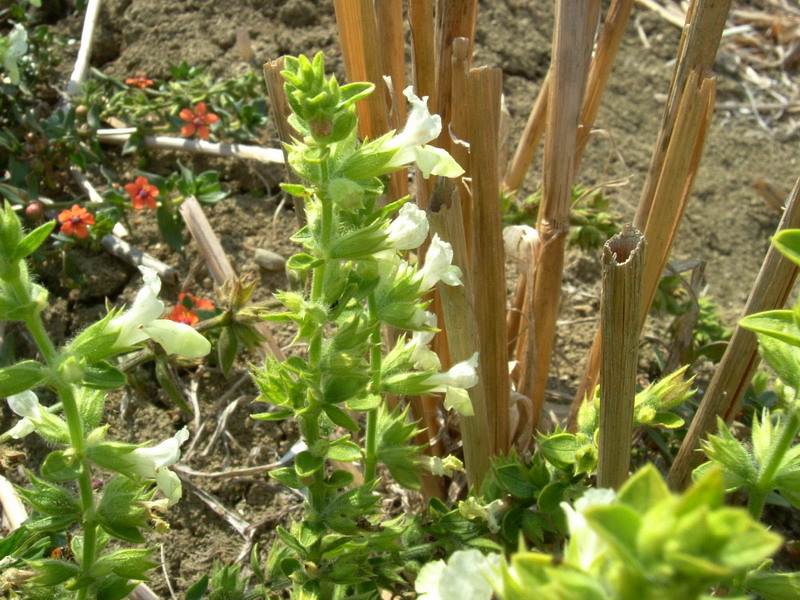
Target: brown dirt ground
(726, 224)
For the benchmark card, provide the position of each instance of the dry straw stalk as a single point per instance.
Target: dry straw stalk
(727, 387)
(484, 87)
(623, 262)
(462, 333)
(574, 32)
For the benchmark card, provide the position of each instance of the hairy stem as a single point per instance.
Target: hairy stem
(770, 467)
(371, 440)
(37, 330)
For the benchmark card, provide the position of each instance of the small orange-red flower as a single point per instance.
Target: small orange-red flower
(142, 193)
(140, 80)
(75, 221)
(199, 303)
(197, 121)
(181, 314)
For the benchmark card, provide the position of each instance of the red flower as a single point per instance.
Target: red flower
(197, 121)
(181, 314)
(142, 193)
(140, 80)
(75, 220)
(198, 303)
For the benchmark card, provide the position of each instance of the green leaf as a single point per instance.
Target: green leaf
(303, 262)
(104, 376)
(726, 451)
(339, 479)
(227, 347)
(779, 324)
(60, 466)
(619, 525)
(277, 415)
(288, 477)
(33, 240)
(774, 586)
(168, 381)
(130, 563)
(340, 417)
(513, 479)
(306, 464)
(198, 589)
(782, 357)
(643, 490)
(364, 403)
(171, 227)
(667, 419)
(21, 376)
(52, 572)
(551, 497)
(344, 450)
(559, 449)
(788, 242)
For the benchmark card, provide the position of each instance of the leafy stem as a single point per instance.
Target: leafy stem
(776, 455)
(35, 325)
(371, 439)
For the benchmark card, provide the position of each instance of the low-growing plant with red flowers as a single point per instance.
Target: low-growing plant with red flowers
(140, 81)
(142, 193)
(181, 314)
(197, 121)
(76, 221)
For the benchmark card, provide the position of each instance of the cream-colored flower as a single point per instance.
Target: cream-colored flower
(409, 229)
(154, 463)
(411, 143)
(455, 383)
(438, 265)
(141, 321)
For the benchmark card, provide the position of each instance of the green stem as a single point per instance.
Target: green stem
(376, 356)
(768, 471)
(37, 329)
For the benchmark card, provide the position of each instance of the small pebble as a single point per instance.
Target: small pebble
(269, 260)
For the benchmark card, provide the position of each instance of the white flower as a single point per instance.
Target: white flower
(442, 466)
(438, 265)
(491, 513)
(585, 548)
(455, 383)
(12, 49)
(422, 127)
(141, 321)
(154, 463)
(409, 229)
(26, 405)
(465, 576)
(422, 356)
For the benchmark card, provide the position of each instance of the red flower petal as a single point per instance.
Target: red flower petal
(200, 109)
(210, 119)
(188, 130)
(186, 115)
(202, 131)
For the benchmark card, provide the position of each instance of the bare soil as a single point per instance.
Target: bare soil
(727, 224)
